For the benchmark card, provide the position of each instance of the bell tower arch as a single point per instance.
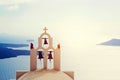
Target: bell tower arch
(45, 42)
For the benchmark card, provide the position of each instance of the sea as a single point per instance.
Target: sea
(94, 62)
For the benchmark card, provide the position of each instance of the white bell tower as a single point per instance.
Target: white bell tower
(45, 42)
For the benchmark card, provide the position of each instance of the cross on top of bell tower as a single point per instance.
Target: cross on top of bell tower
(45, 29)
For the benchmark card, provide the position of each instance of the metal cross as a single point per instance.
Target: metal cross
(45, 29)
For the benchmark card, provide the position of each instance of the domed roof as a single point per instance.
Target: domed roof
(45, 75)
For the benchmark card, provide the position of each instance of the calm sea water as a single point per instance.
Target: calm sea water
(88, 63)
(9, 66)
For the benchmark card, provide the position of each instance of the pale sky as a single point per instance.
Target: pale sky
(74, 24)
(67, 20)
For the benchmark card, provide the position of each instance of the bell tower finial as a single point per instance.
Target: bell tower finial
(45, 29)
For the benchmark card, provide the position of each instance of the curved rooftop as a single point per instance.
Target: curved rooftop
(45, 75)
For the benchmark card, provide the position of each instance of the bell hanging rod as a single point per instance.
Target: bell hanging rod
(44, 38)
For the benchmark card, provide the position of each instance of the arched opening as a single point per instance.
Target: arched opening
(40, 59)
(45, 41)
(50, 59)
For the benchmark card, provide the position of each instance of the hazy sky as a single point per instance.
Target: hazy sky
(71, 20)
(73, 23)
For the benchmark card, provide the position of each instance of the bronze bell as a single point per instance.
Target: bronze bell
(31, 46)
(40, 56)
(45, 41)
(50, 56)
(58, 46)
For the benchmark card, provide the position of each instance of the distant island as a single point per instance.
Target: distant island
(112, 42)
(13, 45)
(9, 45)
(6, 52)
